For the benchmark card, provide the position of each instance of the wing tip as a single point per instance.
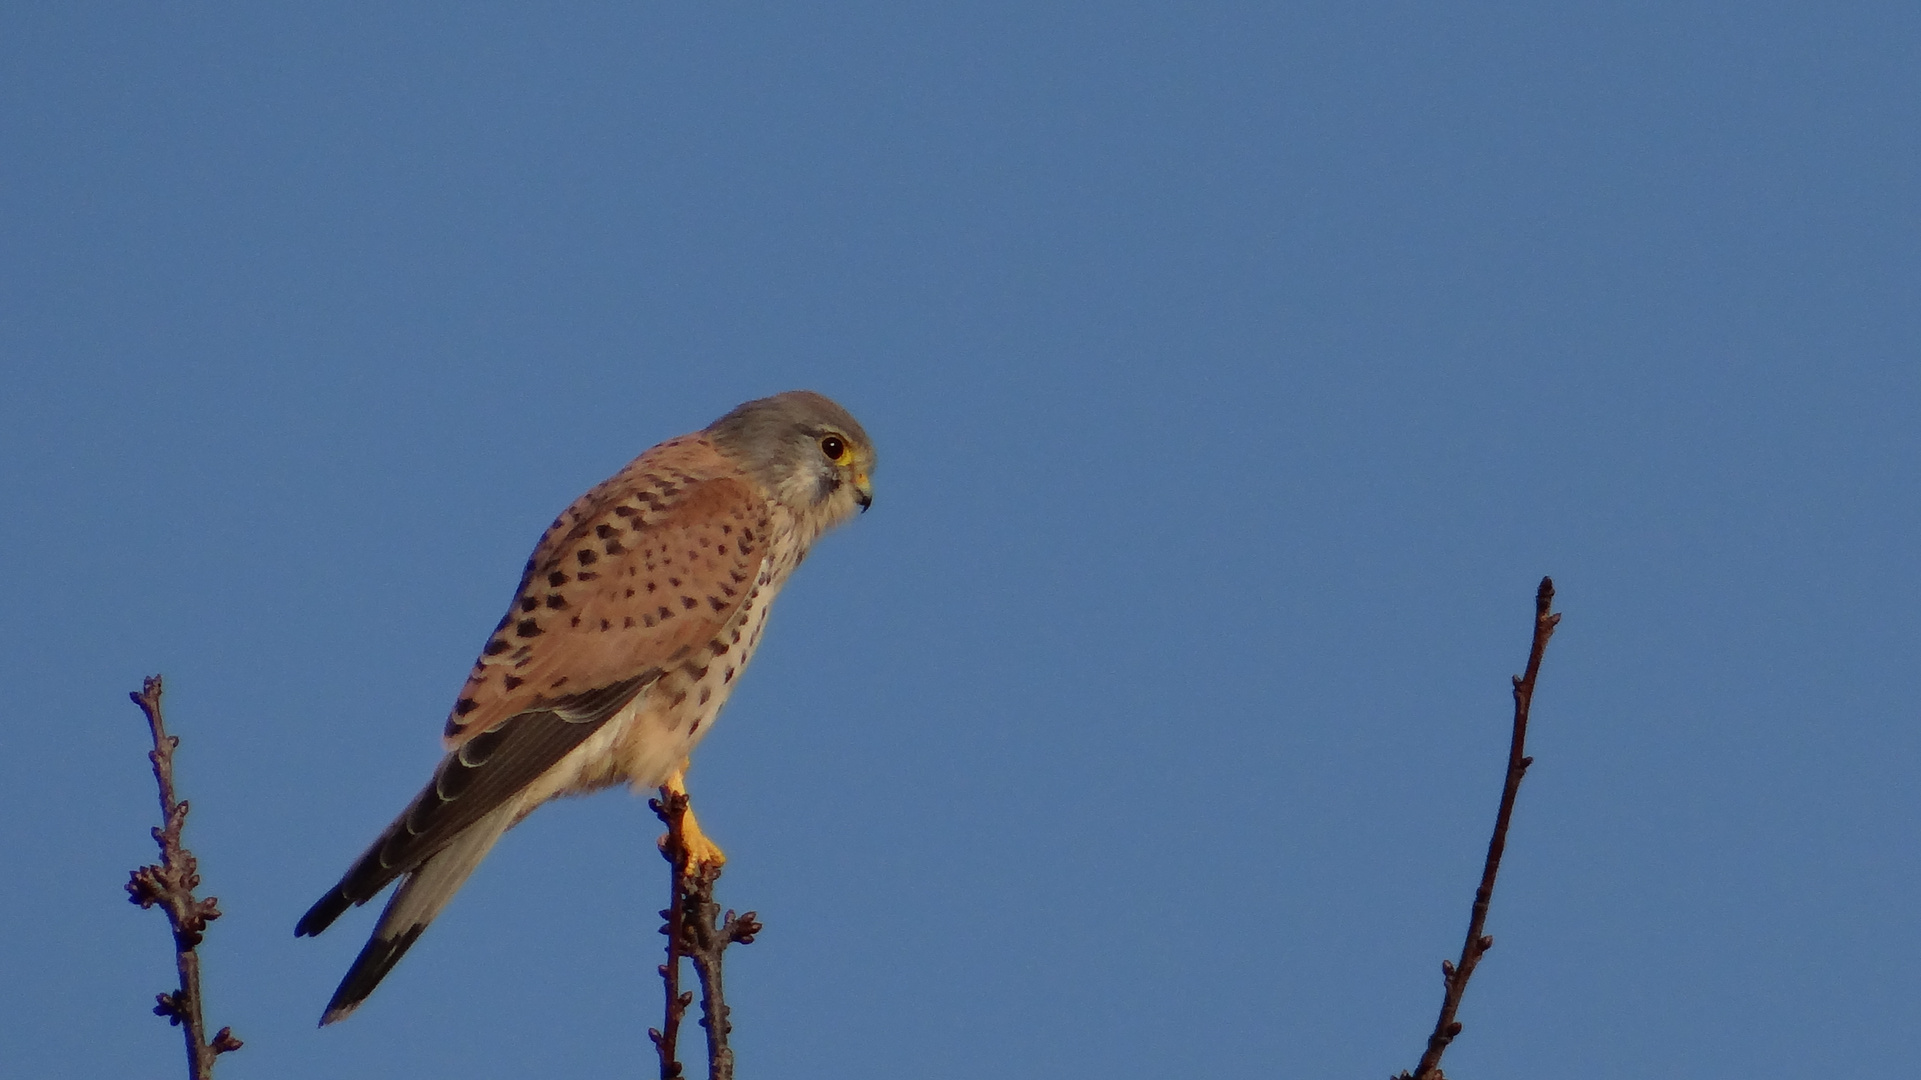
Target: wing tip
(376, 959)
(323, 913)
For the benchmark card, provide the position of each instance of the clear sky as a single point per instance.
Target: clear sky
(1237, 370)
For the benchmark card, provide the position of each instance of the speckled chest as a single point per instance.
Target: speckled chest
(687, 697)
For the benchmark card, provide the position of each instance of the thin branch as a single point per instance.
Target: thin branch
(710, 933)
(170, 884)
(671, 808)
(697, 929)
(1478, 943)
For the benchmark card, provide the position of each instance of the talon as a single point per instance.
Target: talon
(702, 852)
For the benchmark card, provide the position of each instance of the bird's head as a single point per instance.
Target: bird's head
(809, 453)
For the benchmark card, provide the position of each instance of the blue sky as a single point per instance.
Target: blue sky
(1237, 370)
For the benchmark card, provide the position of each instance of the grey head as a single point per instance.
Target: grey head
(806, 451)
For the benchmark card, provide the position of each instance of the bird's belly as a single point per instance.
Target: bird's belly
(643, 743)
(665, 725)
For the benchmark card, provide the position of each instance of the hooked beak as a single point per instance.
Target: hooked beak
(864, 490)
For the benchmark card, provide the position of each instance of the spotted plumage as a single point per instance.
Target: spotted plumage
(636, 614)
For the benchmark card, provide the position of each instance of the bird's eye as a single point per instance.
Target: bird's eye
(835, 448)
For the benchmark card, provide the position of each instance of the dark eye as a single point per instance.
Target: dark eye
(833, 447)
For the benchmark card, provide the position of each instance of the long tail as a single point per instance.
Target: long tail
(420, 896)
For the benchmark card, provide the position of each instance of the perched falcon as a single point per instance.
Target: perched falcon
(636, 613)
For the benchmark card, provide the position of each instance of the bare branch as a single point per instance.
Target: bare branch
(1477, 944)
(709, 933)
(170, 884)
(696, 929)
(671, 808)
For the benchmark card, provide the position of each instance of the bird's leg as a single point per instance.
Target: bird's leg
(701, 851)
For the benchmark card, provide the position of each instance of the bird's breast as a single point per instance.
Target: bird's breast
(646, 741)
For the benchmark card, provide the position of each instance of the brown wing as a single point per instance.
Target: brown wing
(654, 566)
(639, 572)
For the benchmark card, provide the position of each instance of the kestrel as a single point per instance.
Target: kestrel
(637, 612)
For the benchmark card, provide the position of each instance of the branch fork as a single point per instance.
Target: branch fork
(695, 928)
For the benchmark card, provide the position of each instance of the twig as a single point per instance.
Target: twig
(671, 808)
(1477, 943)
(710, 933)
(170, 884)
(696, 929)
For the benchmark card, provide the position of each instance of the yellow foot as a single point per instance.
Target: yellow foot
(702, 852)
